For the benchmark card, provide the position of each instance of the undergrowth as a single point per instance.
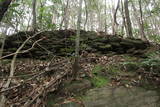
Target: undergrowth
(98, 80)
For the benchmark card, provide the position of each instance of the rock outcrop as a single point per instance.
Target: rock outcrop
(62, 43)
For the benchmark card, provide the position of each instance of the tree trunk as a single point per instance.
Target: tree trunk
(128, 20)
(143, 36)
(76, 63)
(139, 21)
(115, 23)
(34, 24)
(123, 19)
(105, 22)
(65, 16)
(2, 46)
(4, 4)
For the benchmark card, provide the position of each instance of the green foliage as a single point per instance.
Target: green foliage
(150, 64)
(155, 38)
(98, 80)
(14, 5)
(154, 55)
(2, 0)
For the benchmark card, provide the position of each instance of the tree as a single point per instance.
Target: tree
(139, 20)
(4, 4)
(65, 18)
(123, 18)
(115, 23)
(105, 22)
(143, 36)
(34, 24)
(76, 63)
(128, 20)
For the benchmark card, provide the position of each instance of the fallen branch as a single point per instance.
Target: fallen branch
(24, 51)
(52, 83)
(12, 69)
(47, 69)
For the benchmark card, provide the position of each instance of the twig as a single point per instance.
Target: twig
(35, 76)
(12, 69)
(51, 83)
(24, 51)
(25, 75)
(22, 82)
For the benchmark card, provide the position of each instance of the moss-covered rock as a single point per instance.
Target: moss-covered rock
(62, 43)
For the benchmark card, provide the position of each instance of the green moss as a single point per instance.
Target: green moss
(106, 47)
(67, 50)
(99, 81)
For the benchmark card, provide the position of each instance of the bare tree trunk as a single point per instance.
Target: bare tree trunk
(123, 18)
(105, 22)
(115, 23)
(3, 43)
(65, 16)
(34, 24)
(128, 20)
(139, 20)
(66, 20)
(4, 4)
(142, 24)
(76, 63)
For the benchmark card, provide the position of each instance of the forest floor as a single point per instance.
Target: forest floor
(129, 77)
(112, 69)
(113, 81)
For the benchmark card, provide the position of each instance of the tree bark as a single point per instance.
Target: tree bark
(139, 20)
(34, 24)
(128, 20)
(115, 23)
(143, 36)
(76, 63)
(123, 18)
(105, 22)
(4, 7)
(65, 16)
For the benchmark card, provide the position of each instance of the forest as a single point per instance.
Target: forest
(79, 53)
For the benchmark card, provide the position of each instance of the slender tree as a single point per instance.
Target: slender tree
(139, 20)
(115, 23)
(143, 36)
(34, 24)
(65, 16)
(105, 22)
(77, 48)
(128, 20)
